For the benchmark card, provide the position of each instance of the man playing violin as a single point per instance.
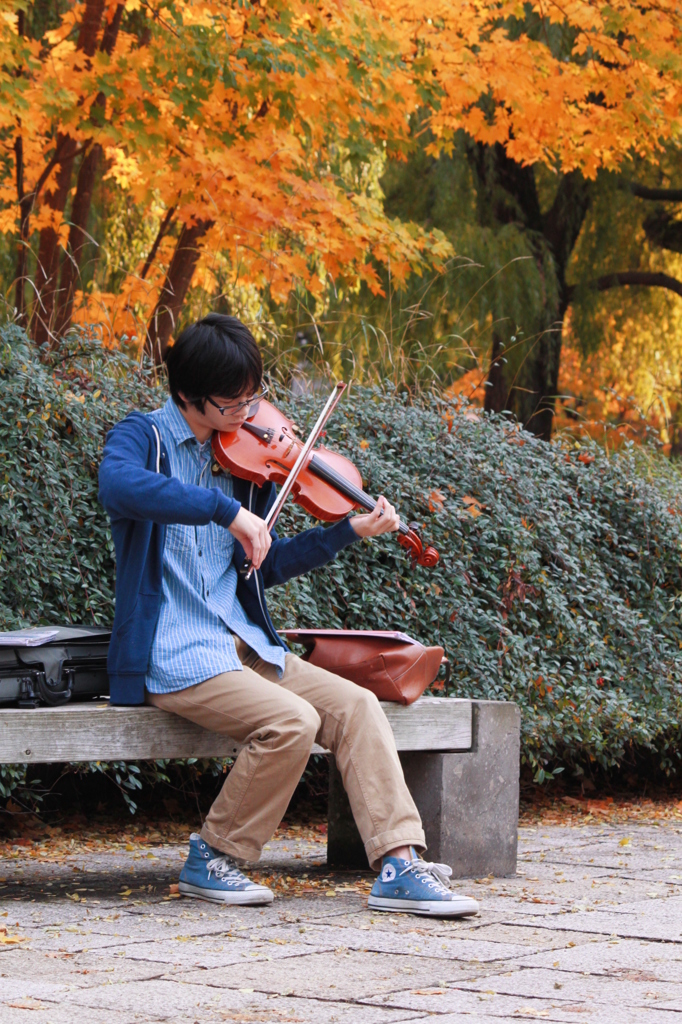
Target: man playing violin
(192, 634)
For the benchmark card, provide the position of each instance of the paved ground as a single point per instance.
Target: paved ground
(590, 930)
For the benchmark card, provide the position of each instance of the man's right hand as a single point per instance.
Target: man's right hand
(252, 534)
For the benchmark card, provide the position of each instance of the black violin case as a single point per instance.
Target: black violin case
(69, 666)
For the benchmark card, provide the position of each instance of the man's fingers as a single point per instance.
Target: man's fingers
(252, 533)
(261, 542)
(387, 518)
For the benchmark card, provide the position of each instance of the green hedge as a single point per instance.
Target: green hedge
(559, 584)
(56, 553)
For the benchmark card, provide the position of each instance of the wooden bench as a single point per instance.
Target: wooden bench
(461, 762)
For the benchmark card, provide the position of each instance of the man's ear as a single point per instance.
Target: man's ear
(199, 405)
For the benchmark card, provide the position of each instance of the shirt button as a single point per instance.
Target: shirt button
(200, 554)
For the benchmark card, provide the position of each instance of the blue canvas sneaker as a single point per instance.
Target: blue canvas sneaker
(418, 887)
(211, 875)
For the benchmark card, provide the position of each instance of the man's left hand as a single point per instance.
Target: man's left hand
(384, 519)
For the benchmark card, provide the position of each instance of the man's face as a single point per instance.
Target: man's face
(222, 414)
(228, 414)
(235, 412)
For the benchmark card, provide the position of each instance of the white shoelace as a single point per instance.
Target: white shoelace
(438, 875)
(225, 869)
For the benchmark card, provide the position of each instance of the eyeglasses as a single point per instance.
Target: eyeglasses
(232, 407)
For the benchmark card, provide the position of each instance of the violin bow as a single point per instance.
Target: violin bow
(285, 490)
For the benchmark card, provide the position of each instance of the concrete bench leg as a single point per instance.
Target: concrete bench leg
(345, 848)
(469, 802)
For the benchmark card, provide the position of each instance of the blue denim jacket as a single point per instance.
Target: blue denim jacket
(141, 498)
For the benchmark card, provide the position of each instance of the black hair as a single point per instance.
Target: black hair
(214, 356)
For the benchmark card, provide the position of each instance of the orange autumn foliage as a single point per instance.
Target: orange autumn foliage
(236, 119)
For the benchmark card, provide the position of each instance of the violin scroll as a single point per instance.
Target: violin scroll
(420, 555)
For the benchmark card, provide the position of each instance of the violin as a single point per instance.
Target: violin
(327, 484)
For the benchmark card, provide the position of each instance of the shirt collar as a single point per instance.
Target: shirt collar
(176, 423)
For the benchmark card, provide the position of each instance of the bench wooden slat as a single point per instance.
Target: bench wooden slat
(98, 732)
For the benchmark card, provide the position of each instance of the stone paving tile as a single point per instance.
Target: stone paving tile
(649, 919)
(308, 1011)
(547, 984)
(82, 970)
(448, 1003)
(285, 1009)
(160, 998)
(567, 880)
(30, 988)
(649, 847)
(361, 917)
(674, 1006)
(177, 1001)
(627, 959)
(532, 937)
(136, 961)
(539, 1010)
(345, 974)
(67, 939)
(203, 954)
(377, 940)
(32, 1011)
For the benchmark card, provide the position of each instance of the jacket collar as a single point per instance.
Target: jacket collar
(176, 423)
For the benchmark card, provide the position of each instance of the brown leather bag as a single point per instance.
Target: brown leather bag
(389, 663)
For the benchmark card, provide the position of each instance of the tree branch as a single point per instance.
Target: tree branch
(163, 228)
(644, 278)
(659, 195)
(172, 295)
(662, 229)
(50, 165)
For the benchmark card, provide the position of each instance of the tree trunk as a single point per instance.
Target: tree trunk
(25, 203)
(24, 207)
(507, 193)
(496, 394)
(538, 384)
(87, 176)
(561, 227)
(78, 237)
(110, 34)
(90, 26)
(48, 248)
(47, 270)
(178, 279)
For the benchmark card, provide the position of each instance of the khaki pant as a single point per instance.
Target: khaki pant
(278, 720)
